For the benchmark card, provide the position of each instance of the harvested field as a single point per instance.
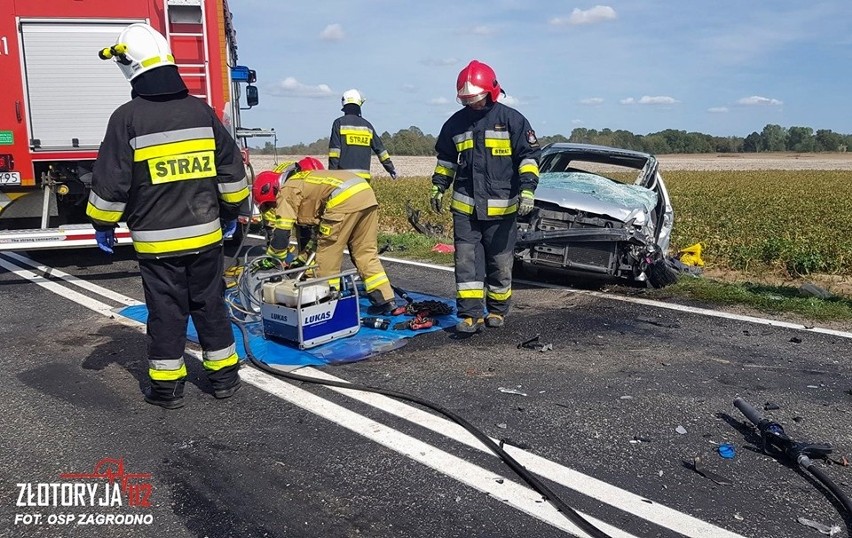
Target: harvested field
(423, 166)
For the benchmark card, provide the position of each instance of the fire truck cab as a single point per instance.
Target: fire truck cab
(58, 96)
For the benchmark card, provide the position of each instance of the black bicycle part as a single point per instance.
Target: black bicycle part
(778, 444)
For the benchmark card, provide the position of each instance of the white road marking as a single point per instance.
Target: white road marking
(76, 281)
(649, 302)
(57, 288)
(512, 493)
(597, 489)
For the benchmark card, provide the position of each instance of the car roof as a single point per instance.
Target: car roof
(600, 153)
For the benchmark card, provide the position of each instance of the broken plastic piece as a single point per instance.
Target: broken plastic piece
(511, 391)
(536, 344)
(727, 451)
(824, 529)
(443, 248)
(681, 430)
(691, 255)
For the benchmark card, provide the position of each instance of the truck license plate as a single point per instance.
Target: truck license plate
(10, 178)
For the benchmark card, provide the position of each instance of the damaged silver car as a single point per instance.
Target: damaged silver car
(600, 213)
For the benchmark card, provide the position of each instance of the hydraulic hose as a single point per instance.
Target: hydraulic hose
(776, 443)
(519, 469)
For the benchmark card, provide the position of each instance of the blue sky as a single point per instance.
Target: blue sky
(724, 67)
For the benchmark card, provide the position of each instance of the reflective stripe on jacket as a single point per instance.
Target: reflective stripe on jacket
(351, 146)
(489, 156)
(306, 196)
(172, 171)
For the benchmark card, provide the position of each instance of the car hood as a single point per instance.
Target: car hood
(591, 193)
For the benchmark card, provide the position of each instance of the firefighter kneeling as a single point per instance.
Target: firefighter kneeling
(342, 209)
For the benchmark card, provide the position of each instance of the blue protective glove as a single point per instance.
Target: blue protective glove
(106, 240)
(229, 228)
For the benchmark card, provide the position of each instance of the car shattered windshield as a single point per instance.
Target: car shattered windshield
(601, 188)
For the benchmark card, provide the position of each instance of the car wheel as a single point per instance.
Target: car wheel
(661, 274)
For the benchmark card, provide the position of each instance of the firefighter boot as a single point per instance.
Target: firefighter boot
(469, 325)
(225, 382)
(494, 320)
(383, 309)
(166, 394)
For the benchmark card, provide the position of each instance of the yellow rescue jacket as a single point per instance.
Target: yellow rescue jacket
(307, 196)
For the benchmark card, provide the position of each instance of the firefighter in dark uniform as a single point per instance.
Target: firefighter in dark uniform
(489, 153)
(353, 140)
(169, 167)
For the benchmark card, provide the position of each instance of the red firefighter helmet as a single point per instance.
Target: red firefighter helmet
(265, 188)
(309, 163)
(475, 82)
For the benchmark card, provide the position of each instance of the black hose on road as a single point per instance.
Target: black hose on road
(519, 469)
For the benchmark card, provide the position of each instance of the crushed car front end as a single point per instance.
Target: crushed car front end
(591, 226)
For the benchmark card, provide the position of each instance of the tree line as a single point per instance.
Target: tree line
(772, 137)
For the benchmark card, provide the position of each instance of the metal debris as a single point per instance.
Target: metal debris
(511, 391)
(824, 529)
(659, 322)
(698, 468)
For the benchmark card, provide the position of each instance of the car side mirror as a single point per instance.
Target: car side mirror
(252, 98)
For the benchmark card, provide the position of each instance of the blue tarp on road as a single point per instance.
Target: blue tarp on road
(365, 343)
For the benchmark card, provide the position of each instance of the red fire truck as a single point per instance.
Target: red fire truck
(57, 97)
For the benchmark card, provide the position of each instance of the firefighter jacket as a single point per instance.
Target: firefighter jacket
(490, 156)
(308, 197)
(351, 145)
(172, 170)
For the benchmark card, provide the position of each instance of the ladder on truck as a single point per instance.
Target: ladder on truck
(185, 28)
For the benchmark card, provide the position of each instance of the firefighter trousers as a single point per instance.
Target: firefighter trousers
(175, 289)
(484, 256)
(358, 231)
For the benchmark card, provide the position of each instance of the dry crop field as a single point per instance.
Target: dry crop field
(790, 214)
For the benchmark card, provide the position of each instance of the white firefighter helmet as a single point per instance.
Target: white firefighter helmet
(352, 97)
(140, 48)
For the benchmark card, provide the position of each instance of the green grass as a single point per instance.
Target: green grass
(753, 223)
(764, 298)
(413, 246)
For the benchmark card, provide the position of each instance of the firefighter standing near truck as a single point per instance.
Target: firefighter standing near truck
(172, 170)
(353, 140)
(489, 153)
(342, 207)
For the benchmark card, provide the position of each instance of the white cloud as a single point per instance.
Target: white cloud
(439, 62)
(509, 100)
(332, 32)
(439, 101)
(290, 87)
(650, 100)
(589, 16)
(592, 101)
(408, 88)
(483, 30)
(576, 122)
(718, 109)
(756, 100)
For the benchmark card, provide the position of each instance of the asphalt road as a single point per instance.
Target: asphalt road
(598, 421)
